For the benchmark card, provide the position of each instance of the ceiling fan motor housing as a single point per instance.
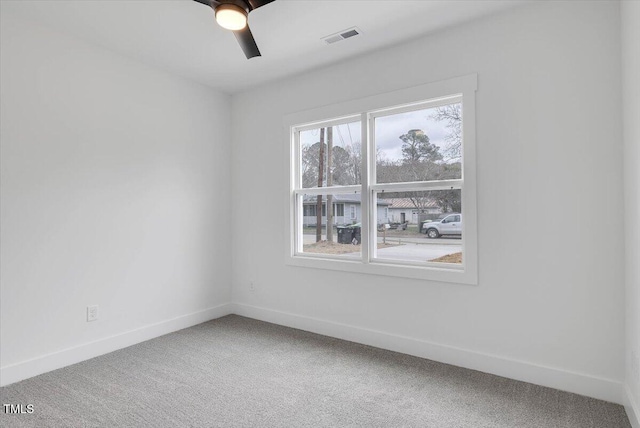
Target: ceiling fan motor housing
(235, 4)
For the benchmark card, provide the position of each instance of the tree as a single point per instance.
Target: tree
(416, 147)
(420, 162)
(353, 162)
(452, 115)
(419, 157)
(310, 164)
(342, 172)
(448, 200)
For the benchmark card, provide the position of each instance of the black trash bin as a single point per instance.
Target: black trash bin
(350, 234)
(357, 235)
(345, 235)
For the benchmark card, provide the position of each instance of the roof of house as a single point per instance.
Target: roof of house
(341, 199)
(407, 203)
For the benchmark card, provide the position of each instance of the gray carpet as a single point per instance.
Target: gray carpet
(238, 372)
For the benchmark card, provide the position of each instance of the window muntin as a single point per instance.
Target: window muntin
(309, 210)
(370, 108)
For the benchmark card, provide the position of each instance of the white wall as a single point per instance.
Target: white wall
(550, 291)
(630, 12)
(115, 192)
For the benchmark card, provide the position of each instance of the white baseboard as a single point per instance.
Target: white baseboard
(579, 383)
(631, 406)
(45, 363)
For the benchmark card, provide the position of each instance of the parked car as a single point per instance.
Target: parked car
(449, 224)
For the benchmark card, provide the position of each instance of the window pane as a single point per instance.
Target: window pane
(421, 145)
(331, 156)
(344, 238)
(420, 226)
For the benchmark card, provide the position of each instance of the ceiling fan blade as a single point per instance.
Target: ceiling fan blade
(205, 2)
(247, 42)
(257, 3)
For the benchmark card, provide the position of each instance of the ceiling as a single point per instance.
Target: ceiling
(182, 37)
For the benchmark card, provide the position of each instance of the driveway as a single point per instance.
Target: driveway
(418, 252)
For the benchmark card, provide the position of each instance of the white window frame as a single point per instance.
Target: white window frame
(365, 110)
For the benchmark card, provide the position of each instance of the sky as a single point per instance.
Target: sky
(388, 130)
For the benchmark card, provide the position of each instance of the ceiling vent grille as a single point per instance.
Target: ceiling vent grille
(344, 34)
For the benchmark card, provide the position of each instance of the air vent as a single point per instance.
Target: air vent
(344, 34)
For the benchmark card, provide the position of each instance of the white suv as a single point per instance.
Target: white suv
(451, 224)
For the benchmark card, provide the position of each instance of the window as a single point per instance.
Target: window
(309, 210)
(451, 219)
(407, 151)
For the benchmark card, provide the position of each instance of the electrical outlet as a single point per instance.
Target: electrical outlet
(92, 313)
(252, 286)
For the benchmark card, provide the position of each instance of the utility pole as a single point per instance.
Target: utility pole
(329, 184)
(320, 180)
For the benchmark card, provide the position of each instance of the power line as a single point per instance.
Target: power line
(340, 134)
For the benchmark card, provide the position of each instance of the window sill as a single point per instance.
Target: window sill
(438, 272)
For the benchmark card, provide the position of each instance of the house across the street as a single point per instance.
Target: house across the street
(403, 210)
(346, 210)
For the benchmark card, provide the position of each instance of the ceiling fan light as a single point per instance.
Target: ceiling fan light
(231, 17)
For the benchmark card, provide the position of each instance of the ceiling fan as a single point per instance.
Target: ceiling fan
(233, 15)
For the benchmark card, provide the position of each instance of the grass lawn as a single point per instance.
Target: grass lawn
(449, 258)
